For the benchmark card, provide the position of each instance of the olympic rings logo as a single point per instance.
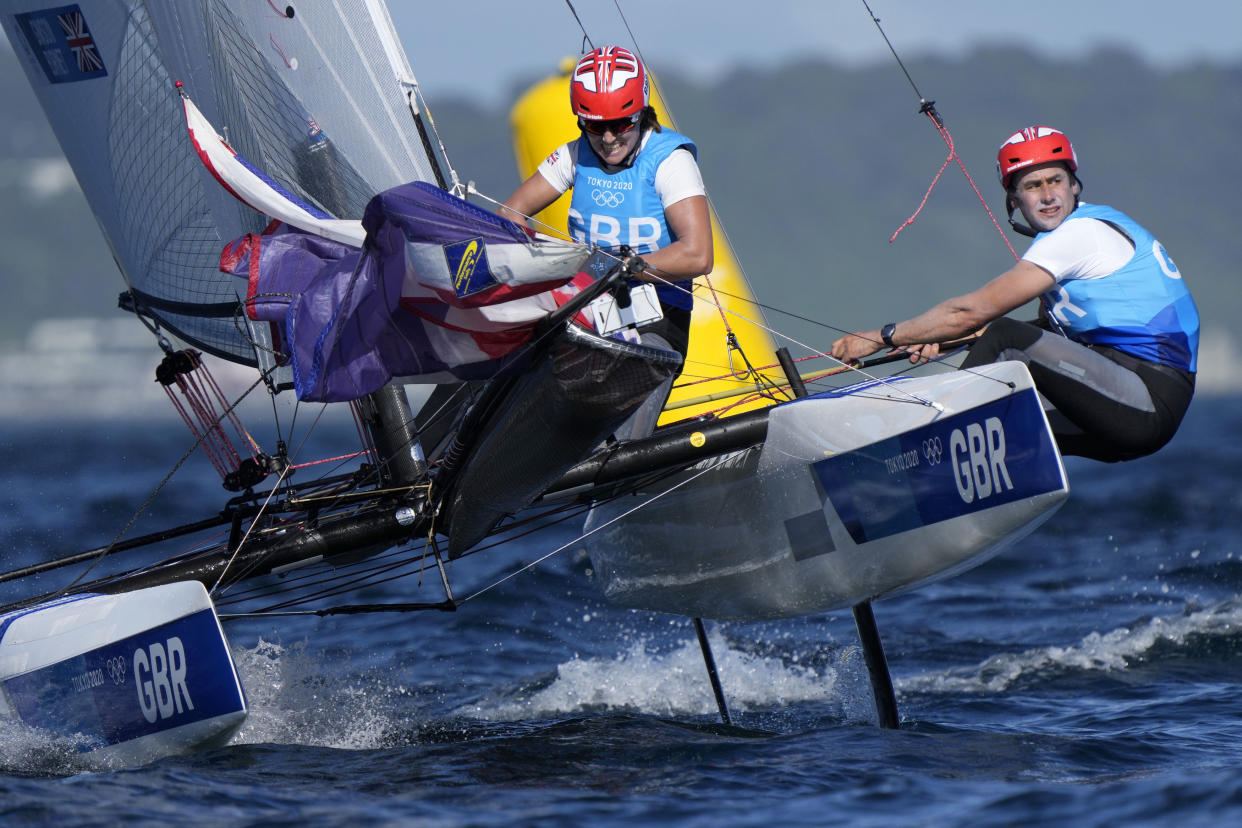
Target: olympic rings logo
(933, 450)
(607, 198)
(118, 669)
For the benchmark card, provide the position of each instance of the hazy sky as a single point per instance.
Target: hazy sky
(481, 45)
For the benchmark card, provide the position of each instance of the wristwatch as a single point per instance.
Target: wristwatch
(886, 333)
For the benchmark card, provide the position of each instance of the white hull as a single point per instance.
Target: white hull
(853, 495)
(133, 677)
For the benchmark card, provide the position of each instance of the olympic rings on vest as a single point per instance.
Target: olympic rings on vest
(607, 198)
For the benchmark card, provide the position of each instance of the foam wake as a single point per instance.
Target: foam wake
(674, 683)
(292, 701)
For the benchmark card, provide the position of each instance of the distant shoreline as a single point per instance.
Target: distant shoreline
(104, 369)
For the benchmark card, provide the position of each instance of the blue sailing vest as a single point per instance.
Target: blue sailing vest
(1143, 308)
(622, 208)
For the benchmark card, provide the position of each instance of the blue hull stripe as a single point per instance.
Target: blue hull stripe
(172, 675)
(994, 454)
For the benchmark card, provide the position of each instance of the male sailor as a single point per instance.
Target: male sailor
(1115, 347)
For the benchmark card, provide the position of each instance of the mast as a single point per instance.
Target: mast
(387, 416)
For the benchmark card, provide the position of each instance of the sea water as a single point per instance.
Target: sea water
(1089, 675)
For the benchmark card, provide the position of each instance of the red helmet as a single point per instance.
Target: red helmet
(1033, 145)
(608, 83)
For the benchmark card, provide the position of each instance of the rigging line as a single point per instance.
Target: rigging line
(330, 501)
(553, 232)
(630, 32)
(535, 523)
(929, 108)
(247, 333)
(446, 407)
(729, 311)
(897, 57)
(776, 333)
(814, 352)
(887, 381)
(159, 487)
(254, 522)
(761, 325)
(724, 319)
(341, 583)
(153, 325)
(586, 38)
(271, 395)
(732, 341)
(378, 571)
(342, 458)
(335, 501)
(284, 473)
(719, 461)
(293, 419)
(310, 429)
(388, 563)
(313, 576)
(290, 459)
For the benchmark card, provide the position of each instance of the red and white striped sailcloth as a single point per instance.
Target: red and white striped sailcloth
(427, 287)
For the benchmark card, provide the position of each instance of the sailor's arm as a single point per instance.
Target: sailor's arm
(953, 318)
(691, 255)
(531, 196)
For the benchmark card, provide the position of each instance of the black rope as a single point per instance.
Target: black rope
(350, 609)
(896, 56)
(586, 38)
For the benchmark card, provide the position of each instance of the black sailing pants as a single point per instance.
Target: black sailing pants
(1108, 405)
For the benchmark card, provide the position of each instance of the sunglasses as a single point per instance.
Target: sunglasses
(619, 126)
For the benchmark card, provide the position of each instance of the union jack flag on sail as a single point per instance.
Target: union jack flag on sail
(79, 40)
(62, 42)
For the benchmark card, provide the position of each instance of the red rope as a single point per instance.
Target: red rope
(197, 397)
(724, 319)
(309, 463)
(953, 156)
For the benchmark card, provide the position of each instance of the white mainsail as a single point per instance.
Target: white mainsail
(333, 132)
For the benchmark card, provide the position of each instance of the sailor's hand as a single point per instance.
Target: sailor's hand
(853, 347)
(921, 353)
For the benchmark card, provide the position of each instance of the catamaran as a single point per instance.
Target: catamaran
(274, 195)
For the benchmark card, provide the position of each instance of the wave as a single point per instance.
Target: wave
(1197, 633)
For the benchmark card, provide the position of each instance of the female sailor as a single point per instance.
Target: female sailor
(636, 185)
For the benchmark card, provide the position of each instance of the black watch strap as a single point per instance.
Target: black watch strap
(886, 333)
